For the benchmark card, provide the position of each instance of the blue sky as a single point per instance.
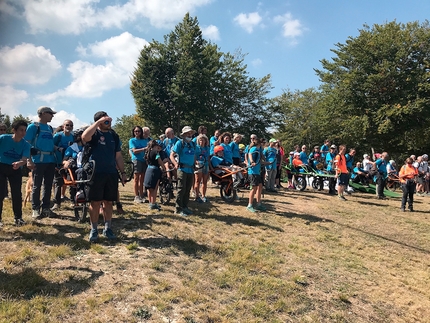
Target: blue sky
(77, 56)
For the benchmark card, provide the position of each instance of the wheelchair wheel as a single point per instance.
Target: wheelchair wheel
(228, 194)
(315, 183)
(299, 183)
(81, 212)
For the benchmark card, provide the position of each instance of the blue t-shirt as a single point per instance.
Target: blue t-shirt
(63, 141)
(329, 159)
(217, 161)
(44, 142)
(169, 144)
(104, 149)
(11, 151)
(212, 144)
(324, 150)
(72, 151)
(270, 156)
(186, 154)
(235, 149)
(349, 161)
(203, 154)
(381, 164)
(228, 154)
(355, 171)
(256, 157)
(304, 157)
(135, 143)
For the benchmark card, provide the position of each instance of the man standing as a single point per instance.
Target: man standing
(381, 177)
(106, 152)
(62, 139)
(186, 153)
(40, 136)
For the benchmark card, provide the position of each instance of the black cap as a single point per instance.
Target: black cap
(99, 115)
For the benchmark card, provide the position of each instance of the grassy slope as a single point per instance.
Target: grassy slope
(309, 258)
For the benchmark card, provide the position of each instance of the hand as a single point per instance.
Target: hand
(16, 165)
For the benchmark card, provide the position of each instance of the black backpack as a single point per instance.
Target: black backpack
(87, 149)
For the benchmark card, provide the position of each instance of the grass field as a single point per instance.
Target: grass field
(309, 258)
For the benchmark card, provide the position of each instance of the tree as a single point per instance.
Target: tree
(379, 82)
(188, 81)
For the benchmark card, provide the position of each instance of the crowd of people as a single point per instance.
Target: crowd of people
(187, 159)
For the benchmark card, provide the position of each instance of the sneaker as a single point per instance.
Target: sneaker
(411, 209)
(94, 235)
(36, 214)
(402, 209)
(204, 199)
(64, 199)
(55, 207)
(260, 207)
(251, 209)
(154, 207)
(198, 200)
(181, 213)
(382, 198)
(138, 199)
(187, 211)
(19, 222)
(193, 194)
(157, 206)
(47, 213)
(108, 233)
(347, 192)
(342, 198)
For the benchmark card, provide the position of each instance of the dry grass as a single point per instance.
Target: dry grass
(309, 258)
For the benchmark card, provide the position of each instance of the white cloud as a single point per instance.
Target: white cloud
(248, 21)
(211, 32)
(11, 99)
(89, 80)
(59, 118)
(256, 62)
(291, 28)
(27, 64)
(74, 17)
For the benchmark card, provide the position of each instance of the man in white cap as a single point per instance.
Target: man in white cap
(186, 152)
(40, 136)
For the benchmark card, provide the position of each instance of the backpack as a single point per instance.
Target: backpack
(374, 170)
(34, 150)
(85, 154)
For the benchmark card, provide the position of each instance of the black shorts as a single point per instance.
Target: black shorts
(139, 166)
(343, 179)
(104, 187)
(152, 176)
(255, 180)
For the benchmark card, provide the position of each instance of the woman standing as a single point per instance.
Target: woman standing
(14, 153)
(255, 179)
(153, 173)
(407, 176)
(137, 146)
(234, 145)
(201, 175)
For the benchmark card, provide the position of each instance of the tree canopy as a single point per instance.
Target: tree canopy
(378, 84)
(187, 81)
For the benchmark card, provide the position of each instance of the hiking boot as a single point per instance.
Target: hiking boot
(251, 209)
(94, 235)
(342, 198)
(108, 233)
(411, 209)
(19, 222)
(36, 214)
(56, 206)
(402, 209)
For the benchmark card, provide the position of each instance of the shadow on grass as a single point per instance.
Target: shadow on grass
(187, 246)
(307, 217)
(29, 283)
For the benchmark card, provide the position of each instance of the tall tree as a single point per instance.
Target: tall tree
(188, 81)
(379, 81)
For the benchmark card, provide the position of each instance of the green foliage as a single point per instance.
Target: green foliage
(187, 81)
(379, 82)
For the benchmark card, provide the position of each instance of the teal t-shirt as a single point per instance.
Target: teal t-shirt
(11, 151)
(44, 142)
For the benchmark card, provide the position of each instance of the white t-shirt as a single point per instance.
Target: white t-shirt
(367, 166)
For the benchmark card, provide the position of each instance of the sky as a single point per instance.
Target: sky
(77, 56)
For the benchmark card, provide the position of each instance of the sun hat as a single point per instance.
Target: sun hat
(273, 140)
(187, 129)
(241, 146)
(218, 149)
(365, 156)
(296, 154)
(333, 146)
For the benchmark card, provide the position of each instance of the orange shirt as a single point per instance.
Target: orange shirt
(297, 162)
(340, 161)
(407, 172)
